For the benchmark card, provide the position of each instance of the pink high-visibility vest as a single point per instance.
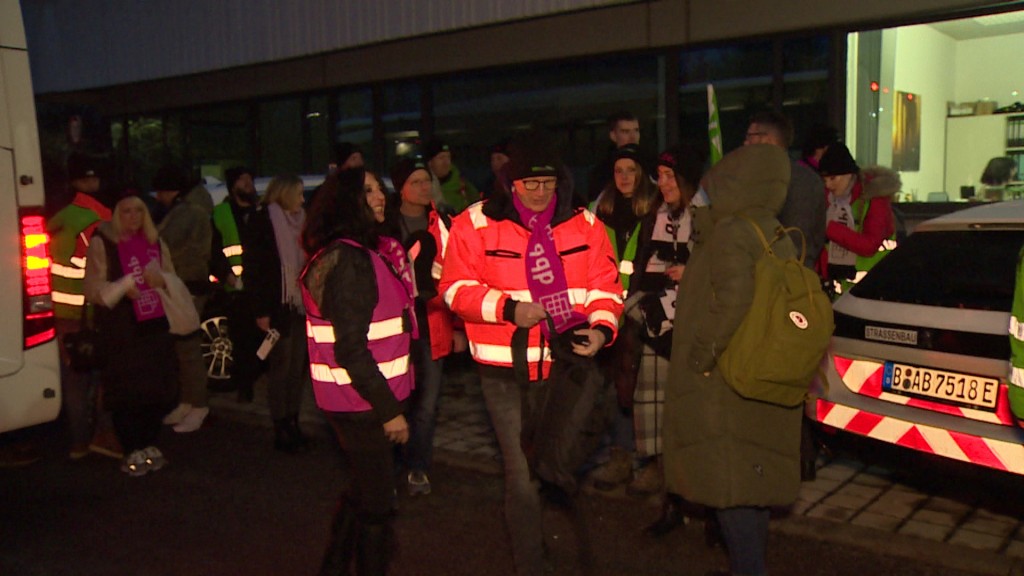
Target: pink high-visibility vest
(388, 336)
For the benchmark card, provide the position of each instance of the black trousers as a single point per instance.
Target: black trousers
(138, 427)
(369, 461)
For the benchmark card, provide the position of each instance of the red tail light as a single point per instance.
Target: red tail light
(35, 273)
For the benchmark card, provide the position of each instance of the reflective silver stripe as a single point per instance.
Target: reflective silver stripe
(435, 270)
(79, 261)
(378, 330)
(67, 271)
(576, 295)
(859, 276)
(599, 315)
(626, 267)
(489, 306)
(389, 369)
(236, 270)
(1017, 377)
(595, 295)
(449, 294)
(503, 354)
(69, 299)
(589, 217)
(887, 244)
(233, 250)
(444, 237)
(1016, 328)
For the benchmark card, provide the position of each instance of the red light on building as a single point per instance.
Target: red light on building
(874, 86)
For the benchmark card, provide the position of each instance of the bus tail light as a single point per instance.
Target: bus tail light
(38, 322)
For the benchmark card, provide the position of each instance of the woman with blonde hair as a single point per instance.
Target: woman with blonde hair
(126, 264)
(272, 267)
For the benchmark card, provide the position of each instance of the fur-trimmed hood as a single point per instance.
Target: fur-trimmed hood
(879, 182)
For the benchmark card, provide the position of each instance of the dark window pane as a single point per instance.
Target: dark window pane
(355, 121)
(401, 117)
(318, 124)
(742, 76)
(957, 269)
(281, 137)
(219, 138)
(572, 100)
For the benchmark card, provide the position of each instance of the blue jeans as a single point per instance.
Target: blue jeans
(745, 530)
(523, 516)
(419, 452)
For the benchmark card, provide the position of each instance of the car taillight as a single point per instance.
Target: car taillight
(38, 320)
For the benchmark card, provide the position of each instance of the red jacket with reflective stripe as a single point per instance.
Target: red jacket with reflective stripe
(485, 266)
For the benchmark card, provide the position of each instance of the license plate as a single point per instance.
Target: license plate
(954, 387)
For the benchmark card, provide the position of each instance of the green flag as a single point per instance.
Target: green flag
(714, 130)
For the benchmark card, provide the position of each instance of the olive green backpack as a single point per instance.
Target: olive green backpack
(777, 349)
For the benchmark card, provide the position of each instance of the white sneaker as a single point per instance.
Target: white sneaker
(135, 464)
(178, 414)
(193, 420)
(154, 457)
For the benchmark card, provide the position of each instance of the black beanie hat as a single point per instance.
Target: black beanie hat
(686, 161)
(837, 160)
(401, 171)
(434, 147)
(531, 155)
(631, 151)
(231, 175)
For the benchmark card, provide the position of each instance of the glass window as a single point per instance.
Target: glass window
(972, 269)
(938, 102)
(400, 116)
(318, 126)
(355, 121)
(281, 137)
(219, 138)
(571, 99)
(805, 84)
(742, 76)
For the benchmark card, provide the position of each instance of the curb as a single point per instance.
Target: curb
(911, 548)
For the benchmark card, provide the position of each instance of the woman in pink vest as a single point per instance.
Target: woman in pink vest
(358, 295)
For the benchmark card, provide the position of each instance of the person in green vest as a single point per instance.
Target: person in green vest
(452, 192)
(1016, 376)
(626, 200)
(71, 232)
(860, 227)
(231, 220)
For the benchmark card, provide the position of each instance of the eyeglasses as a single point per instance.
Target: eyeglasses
(533, 185)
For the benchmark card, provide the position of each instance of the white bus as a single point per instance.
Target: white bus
(29, 361)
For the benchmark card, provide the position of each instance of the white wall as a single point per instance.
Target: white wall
(925, 66)
(990, 68)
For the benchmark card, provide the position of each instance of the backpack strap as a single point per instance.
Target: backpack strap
(780, 233)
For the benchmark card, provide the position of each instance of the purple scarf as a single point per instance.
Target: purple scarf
(545, 275)
(135, 252)
(394, 255)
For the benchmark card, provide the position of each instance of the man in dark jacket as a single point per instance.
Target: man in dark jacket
(623, 130)
(188, 233)
(231, 219)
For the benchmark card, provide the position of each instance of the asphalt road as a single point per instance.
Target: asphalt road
(227, 504)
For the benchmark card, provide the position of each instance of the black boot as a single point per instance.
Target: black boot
(284, 438)
(338, 557)
(671, 516)
(373, 549)
(300, 439)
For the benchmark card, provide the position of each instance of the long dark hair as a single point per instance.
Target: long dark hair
(339, 210)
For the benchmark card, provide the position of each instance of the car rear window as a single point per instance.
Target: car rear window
(956, 269)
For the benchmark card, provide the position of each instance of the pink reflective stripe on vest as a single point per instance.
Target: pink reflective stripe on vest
(388, 343)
